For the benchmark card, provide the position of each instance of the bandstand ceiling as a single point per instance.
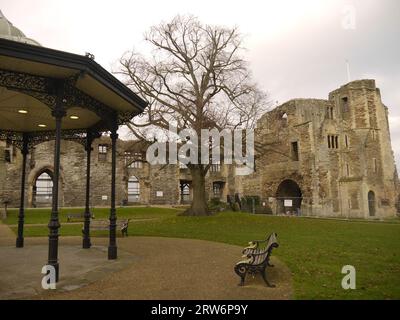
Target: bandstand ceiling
(38, 116)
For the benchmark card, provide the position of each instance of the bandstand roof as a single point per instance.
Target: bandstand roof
(35, 79)
(30, 76)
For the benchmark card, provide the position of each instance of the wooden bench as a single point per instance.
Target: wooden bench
(257, 260)
(77, 216)
(105, 225)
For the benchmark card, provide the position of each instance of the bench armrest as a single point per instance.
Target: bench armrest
(257, 242)
(252, 245)
(267, 250)
(261, 241)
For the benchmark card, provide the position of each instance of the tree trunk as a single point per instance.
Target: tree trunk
(199, 205)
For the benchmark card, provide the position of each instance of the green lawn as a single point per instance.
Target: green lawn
(314, 249)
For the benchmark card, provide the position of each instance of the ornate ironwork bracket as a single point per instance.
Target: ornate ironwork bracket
(46, 90)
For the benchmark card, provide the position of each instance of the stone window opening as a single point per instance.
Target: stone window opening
(185, 192)
(346, 140)
(375, 165)
(133, 189)
(347, 170)
(345, 104)
(329, 112)
(333, 141)
(7, 155)
(217, 189)
(134, 160)
(371, 203)
(102, 148)
(284, 119)
(295, 151)
(373, 134)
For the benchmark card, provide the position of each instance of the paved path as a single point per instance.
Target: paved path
(7, 237)
(147, 268)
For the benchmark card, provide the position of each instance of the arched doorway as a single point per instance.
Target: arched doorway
(43, 189)
(289, 197)
(371, 203)
(133, 190)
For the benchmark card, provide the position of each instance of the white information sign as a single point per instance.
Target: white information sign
(288, 203)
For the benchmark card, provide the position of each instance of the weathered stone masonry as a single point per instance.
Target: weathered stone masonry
(328, 157)
(343, 162)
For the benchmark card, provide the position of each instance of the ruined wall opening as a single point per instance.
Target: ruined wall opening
(289, 198)
(185, 191)
(284, 119)
(133, 190)
(371, 203)
(43, 189)
(295, 151)
(218, 189)
(345, 104)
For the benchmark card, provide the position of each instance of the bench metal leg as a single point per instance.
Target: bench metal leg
(266, 280)
(241, 271)
(242, 280)
(124, 232)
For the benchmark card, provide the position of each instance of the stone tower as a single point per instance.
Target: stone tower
(366, 157)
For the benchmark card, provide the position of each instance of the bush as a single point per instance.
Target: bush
(216, 205)
(236, 207)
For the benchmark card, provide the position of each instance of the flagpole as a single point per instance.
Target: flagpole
(348, 70)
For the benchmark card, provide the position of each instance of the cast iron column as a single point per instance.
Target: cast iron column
(87, 215)
(21, 215)
(54, 224)
(112, 248)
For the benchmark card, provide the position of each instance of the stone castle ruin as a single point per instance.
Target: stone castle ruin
(323, 158)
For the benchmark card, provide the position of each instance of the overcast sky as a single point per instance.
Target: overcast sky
(297, 49)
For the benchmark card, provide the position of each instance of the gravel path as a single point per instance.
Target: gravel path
(147, 268)
(166, 268)
(6, 234)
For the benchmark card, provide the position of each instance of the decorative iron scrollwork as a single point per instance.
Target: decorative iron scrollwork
(35, 138)
(46, 89)
(22, 81)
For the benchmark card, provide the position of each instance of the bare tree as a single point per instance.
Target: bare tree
(196, 78)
